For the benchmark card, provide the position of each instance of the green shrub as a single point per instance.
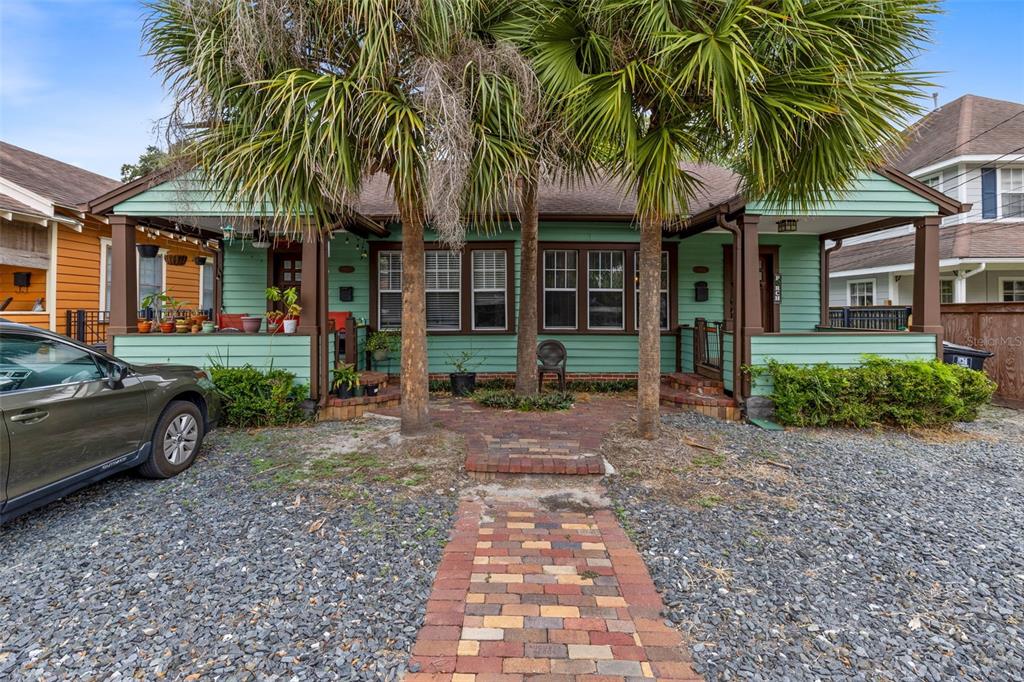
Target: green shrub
(253, 397)
(601, 385)
(895, 392)
(507, 399)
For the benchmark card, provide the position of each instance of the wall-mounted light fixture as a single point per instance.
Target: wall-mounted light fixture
(786, 225)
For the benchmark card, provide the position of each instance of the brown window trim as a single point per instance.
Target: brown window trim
(581, 289)
(466, 292)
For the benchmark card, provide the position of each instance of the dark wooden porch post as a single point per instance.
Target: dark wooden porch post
(309, 318)
(825, 286)
(749, 308)
(124, 279)
(927, 313)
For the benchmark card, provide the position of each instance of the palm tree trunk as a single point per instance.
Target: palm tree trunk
(415, 378)
(649, 375)
(526, 330)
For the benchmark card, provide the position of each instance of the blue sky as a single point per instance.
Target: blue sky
(74, 84)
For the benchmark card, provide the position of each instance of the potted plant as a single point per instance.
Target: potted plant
(208, 326)
(344, 380)
(274, 321)
(290, 299)
(148, 250)
(382, 343)
(463, 380)
(251, 323)
(145, 324)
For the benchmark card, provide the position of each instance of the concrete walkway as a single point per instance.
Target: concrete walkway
(527, 594)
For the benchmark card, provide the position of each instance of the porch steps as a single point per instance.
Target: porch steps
(695, 393)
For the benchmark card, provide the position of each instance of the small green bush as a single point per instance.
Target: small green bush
(601, 385)
(506, 399)
(881, 391)
(253, 397)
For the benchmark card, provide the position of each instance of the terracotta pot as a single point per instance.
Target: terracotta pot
(144, 326)
(251, 324)
(167, 327)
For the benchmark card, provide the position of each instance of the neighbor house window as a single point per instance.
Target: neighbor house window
(149, 273)
(1011, 190)
(389, 289)
(490, 281)
(1011, 290)
(934, 181)
(663, 294)
(444, 289)
(862, 292)
(946, 291)
(206, 273)
(560, 280)
(606, 289)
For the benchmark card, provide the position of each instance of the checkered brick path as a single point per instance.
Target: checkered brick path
(525, 594)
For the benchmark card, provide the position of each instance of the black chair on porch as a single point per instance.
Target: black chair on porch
(551, 359)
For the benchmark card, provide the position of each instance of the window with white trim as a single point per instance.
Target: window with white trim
(663, 294)
(560, 281)
(1011, 290)
(946, 291)
(444, 290)
(861, 292)
(206, 273)
(606, 289)
(389, 289)
(490, 279)
(1011, 192)
(934, 181)
(149, 272)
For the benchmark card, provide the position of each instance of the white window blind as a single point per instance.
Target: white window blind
(489, 290)
(389, 289)
(444, 284)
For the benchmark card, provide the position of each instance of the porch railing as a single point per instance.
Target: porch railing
(892, 318)
(707, 345)
(90, 326)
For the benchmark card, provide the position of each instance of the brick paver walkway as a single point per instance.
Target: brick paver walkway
(525, 594)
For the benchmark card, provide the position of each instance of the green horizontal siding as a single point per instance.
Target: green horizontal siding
(686, 340)
(288, 352)
(183, 196)
(840, 350)
(870, 195)
(245, 278)
(727, 351)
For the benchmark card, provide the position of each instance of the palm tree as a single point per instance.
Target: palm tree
(797, 96)
(296, 103)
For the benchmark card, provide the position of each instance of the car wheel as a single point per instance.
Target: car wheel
(176, 440)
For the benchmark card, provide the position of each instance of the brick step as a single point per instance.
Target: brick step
(494, 463)
(718, 406)
(343, 409)
(693, 383)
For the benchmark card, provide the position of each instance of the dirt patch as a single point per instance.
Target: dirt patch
(696, 470)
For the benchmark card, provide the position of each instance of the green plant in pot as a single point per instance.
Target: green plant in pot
(463, 380)
(145, 324)
(274, 318)
(345, 380)
(382, 344)
(289, 317)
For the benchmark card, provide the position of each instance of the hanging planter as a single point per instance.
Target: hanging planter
(261, 239)
(175, 259)
(199, 260)
(148, 250)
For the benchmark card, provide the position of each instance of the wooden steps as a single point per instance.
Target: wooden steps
(695, 393)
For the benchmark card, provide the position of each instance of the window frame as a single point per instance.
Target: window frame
(952, 292)
(582, 299)
(542, 293)
(1002, 281)
(212, 303)
(459, 290)
(620, 290)
(849, 293)
(106, 244)
(465, 288)
(1000, 193)
(473, 290)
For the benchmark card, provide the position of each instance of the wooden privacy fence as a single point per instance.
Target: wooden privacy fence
(999, 329)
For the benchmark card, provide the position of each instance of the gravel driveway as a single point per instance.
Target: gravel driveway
(898, 558)
(245, 566)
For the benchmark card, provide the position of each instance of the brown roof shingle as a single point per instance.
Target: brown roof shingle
(971, 241)
(968, 125)
(11, 204)
(55, 180)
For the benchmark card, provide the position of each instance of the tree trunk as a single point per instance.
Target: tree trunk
(649, 375)
(414, 378)
(526, 329)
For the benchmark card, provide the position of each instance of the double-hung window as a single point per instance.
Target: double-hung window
(1011, 191)
(389, 289)
(663, 292)
(560, 280)
(1011, 290)
(606, 289)
(862, 292)
(490, 282)
(444, 290)
(946, 290)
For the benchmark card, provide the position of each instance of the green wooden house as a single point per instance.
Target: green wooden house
(742, 283)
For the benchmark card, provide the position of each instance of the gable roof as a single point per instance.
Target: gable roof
(968, 125)
(968, 241)
(12, 205)
(55, 180)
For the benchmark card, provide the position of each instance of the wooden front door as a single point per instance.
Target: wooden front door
(288, 270)
(767, 269)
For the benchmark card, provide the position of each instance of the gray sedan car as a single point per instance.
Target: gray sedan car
(71, 415)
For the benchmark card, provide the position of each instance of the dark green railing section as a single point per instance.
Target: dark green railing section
(888, 318)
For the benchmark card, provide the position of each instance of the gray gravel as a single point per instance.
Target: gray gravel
(206, 573)
(903, 559)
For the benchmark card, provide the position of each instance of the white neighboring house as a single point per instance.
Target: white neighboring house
(973, 150)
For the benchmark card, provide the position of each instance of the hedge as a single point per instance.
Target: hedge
(253, 397)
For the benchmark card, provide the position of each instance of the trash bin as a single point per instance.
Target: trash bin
(965, 356)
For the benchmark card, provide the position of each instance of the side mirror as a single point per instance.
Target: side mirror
(116, 374)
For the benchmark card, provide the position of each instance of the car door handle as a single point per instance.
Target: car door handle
(29, 417)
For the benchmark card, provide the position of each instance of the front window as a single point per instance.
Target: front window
(1012, 290)
(444, 290)
(389, 289)
(663, 296)
(560, 289)
(151, 276)
(606, 287)
(206, 285)
(862, 292)
(490, 278)
(946, 291)
(1012, 191)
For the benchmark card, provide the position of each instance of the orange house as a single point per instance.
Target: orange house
(54, 256)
